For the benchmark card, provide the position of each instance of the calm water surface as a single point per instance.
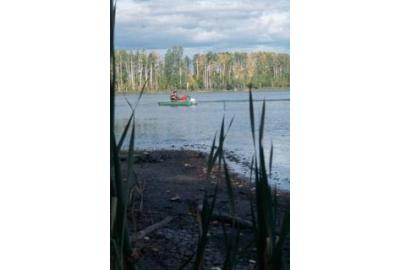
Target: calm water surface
(164, 127)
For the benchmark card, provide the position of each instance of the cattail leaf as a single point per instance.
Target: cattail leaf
(126, 128)
(252, 118)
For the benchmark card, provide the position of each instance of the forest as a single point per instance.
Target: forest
(210, 71)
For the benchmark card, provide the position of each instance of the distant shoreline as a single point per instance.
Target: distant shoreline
(268, 89)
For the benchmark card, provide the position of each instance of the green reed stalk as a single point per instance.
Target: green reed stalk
(121, 246)
(265, 217)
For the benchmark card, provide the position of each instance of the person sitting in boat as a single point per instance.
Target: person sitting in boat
(174, 96)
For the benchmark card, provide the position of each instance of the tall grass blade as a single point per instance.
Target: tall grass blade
(207, 209)
(221, 140)
(260, 232)
(253, 132)
(229, 127)
(129, 103)
(219, 152)
(126, 128)
(119, 240)
(262, 120)
(140, 94)
(130, 155)
(211, 156)
(229, 188)
(206, 214)
(251, 169)
(271, 152)
(114, 205)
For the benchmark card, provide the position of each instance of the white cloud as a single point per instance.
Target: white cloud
(160, 24)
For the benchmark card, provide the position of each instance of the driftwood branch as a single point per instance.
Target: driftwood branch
(226, 218)
(141, 234)
(241, 223)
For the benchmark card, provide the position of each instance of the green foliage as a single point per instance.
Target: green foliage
(225, 70)
(174, 66)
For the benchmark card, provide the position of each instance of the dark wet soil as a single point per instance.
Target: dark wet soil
(174, 183)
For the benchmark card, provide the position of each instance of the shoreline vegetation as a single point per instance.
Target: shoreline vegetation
(167, 91)
(203, 71)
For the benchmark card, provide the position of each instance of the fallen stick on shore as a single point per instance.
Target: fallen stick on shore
(141, 234)
(226, 218)
(241, 223)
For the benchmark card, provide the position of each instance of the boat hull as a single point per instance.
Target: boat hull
(177, 103)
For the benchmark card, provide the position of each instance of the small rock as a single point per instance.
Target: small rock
(215, 268)
(252, 261)
(146, 238)
(175, 198)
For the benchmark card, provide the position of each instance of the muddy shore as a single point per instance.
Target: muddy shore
(173, 184)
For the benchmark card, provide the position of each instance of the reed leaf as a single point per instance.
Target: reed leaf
(131, 174)
(229, 188)
(140, 94)
(221, 140)
(114, 205)
(211, 156)
(206, 214)
(119, 239)
(126, 128)
(207, 209)
(271, 153)
(253, 133)
(262, 120)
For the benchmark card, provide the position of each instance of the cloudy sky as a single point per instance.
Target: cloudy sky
(203, 25)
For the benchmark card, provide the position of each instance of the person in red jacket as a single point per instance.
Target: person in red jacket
(174, 97)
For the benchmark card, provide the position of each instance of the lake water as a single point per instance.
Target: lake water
(164, 127)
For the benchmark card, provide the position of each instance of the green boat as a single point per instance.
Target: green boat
(188, 102)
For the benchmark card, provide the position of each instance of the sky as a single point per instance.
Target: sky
(203, 25)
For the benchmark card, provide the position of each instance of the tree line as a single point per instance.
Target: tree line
(210, 71)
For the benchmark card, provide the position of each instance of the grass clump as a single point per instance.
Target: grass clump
(123, 253)
(270, 231)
